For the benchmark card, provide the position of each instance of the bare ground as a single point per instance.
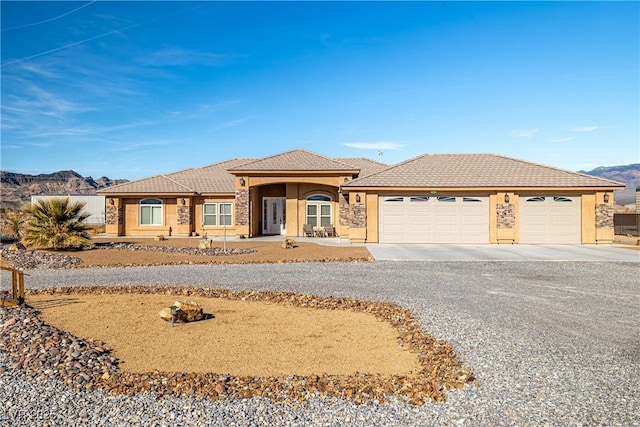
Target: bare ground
(264, 252)
(238, 337)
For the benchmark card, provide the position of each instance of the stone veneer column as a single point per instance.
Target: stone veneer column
(506, 215)
(604, 216)
(113, 215)
(357, 215)
(184, 215)
(343, 210)
(242, 207)
(113, 220)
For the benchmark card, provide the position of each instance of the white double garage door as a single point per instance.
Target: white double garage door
(465, 219)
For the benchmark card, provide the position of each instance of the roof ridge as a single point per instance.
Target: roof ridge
(362, 158)
(264, 158)
(294, 150)
(175, 181)
(222, 162)
(390, 168)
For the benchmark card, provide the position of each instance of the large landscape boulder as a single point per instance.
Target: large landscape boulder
(186, 311)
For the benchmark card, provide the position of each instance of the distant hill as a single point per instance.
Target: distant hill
(628, 174)
(16, 189)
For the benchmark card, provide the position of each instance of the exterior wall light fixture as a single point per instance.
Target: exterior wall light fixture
(111, 201)
(506, 198)
(357, 198)
(606, 197)
(242, 182)
(182, 201)
(346, 179)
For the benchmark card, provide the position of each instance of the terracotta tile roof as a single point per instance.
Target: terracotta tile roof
(367, 167)
(205, 180)
(295, 160)
(476, 170)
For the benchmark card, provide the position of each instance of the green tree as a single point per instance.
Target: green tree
(57, 224)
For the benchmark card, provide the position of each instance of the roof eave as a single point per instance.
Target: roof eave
(350, 188)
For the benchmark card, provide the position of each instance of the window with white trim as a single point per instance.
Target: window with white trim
(151, 212)
(319, 210)
(216, 214)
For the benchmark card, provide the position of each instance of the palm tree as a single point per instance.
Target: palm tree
(57, 224)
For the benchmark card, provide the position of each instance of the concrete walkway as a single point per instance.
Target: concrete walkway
(448, 252)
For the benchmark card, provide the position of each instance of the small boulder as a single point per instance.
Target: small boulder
(288, 244)
(186, 311)
(205, 244)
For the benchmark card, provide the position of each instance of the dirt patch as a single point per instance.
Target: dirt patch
(243, 337)
(380, 345)
(263, 252)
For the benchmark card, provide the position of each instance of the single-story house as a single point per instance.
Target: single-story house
(432, 198)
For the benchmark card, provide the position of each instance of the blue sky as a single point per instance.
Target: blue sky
(133, 89)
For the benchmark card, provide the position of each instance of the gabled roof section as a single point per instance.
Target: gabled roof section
(476, 170)
(295, 160)
(367, 167)
(204, 180)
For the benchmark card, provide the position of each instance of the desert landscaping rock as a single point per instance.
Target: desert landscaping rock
(550, 343)
(28, 259)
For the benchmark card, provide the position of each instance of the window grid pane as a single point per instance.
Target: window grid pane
(209, 217)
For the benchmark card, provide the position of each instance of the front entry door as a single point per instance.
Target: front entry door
(274, 215)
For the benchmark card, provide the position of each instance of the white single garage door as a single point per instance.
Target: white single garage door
(550, 219)
(425, 219)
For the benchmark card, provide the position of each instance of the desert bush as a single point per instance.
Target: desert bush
(57, 224)
(12, 222)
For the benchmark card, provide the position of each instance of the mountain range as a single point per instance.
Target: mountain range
(628, 174)
(16, 189)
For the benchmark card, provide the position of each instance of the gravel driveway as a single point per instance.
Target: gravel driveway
(551, 343)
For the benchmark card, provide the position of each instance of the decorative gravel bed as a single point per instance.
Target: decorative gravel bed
(26, 259)
(215, 251)
(41, 350)
(550, 343)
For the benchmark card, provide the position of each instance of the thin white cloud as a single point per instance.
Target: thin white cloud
(569, 138)
(67, 46)
(232, 123)
(176, 56)
(523, 133)
(50, 19)
(584, 129)
(375, 145)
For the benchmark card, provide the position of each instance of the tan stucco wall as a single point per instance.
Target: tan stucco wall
(132, 227)
(212, 230)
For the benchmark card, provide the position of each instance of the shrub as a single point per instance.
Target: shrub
(57, 224)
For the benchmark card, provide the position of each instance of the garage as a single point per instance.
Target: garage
(550, 219)
(433, 219)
